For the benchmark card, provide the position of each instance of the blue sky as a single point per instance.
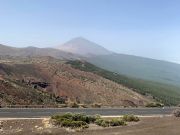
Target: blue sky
(149, 28)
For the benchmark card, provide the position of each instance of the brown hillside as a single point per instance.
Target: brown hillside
(52, 75)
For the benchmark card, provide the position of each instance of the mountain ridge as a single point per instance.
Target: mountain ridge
(35, 51)
(127, 65)
(130, 65)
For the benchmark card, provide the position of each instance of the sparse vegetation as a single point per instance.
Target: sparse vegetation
(73, 120)
(164, 93)
(101, 122)
(14, 93)
(32, 84)
(130, 118)
(117, 122)
(81, 120)
(74, 124)
(96, 105)
(148, 126)
(108, 123)
(154, 104)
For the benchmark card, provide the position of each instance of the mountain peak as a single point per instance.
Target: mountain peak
(80, 38)
(83, 47)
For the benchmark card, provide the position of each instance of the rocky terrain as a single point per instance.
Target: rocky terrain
(46, 80)
(146, 126)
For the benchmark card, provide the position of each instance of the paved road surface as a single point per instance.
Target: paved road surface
(43, 112)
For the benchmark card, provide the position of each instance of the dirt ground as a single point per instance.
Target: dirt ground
(146, 126)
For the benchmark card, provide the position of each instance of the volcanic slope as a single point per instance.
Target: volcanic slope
(49, 75)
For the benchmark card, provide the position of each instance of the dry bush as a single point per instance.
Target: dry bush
(176, 113)
(130, 118)
(96, 105)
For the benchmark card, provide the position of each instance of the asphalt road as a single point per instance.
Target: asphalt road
(44, 112)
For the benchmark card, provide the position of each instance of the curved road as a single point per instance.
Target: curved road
(45, 112)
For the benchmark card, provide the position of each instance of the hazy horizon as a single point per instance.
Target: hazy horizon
(143, 28)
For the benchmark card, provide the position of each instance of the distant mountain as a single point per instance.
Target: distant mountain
(139, 67)
(133, 66)
(34, 51)
(83, 47)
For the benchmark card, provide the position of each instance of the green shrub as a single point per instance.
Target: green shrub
(98, 122)
(66, 123)
(79, 117)
(81, 120)
(58, 119)
(97, 116)
(83, 117)
(74, 124)
(107, 123)
(91, 119)
(154, 105)
(73, 120)
(130, 118)
(101, 122)
(117, 122)
(61, 116)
